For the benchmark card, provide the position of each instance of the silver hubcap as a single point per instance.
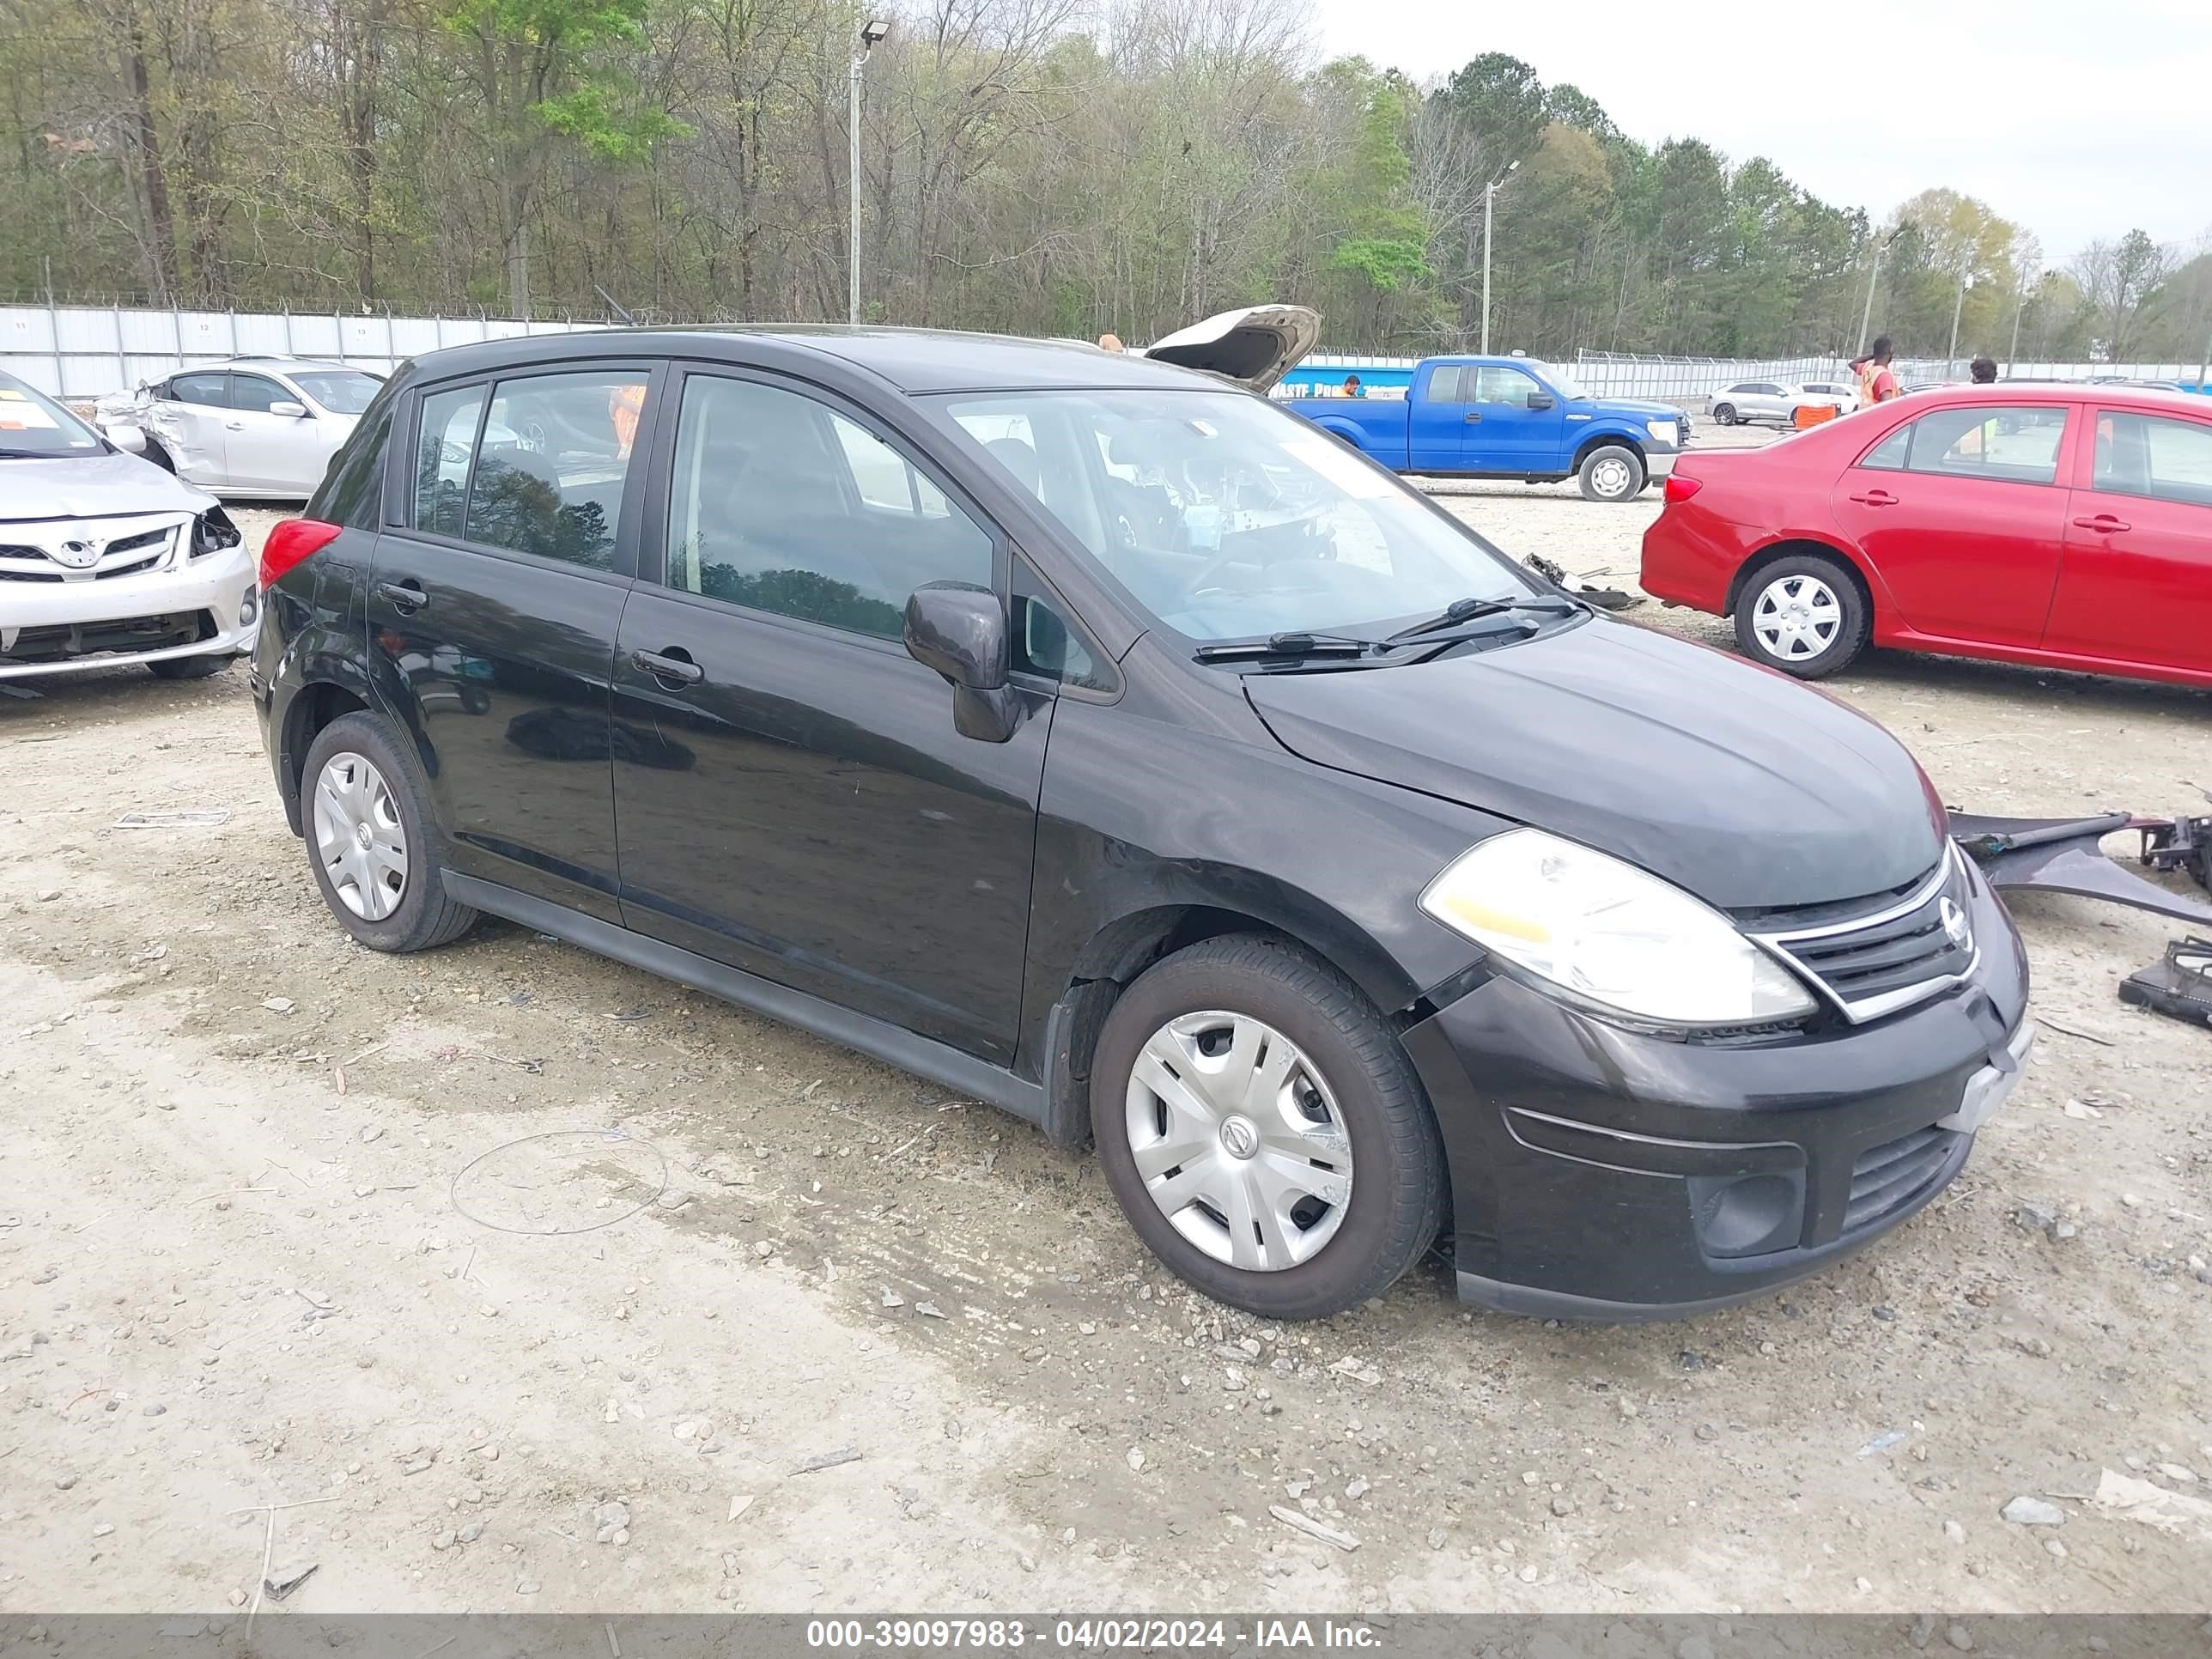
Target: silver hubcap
(1610, 476)
(1238, 1141)
(1795, 618)
(358, 837)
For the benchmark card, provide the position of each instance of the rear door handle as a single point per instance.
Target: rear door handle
(673, 668)
(408, 595)
(234, 426)
(1876, 498)
(2104, 523)
(1472, 417)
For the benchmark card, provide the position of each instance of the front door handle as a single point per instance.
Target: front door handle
(1472, 417)
(234, 426)
(407, 595)
(2104, 524)
(1876, 498)
(673, 668)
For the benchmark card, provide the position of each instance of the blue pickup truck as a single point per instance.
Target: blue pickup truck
(1508, 417)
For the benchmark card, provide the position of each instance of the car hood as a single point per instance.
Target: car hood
(93, 487)
(1739, 784)
(1641, 409)
(1254, 345)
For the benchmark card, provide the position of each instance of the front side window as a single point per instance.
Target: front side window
(1228, 518)
(2015, 446)
(446, 439)
(1504, 385)
(550, 465)
(256, 392)
(2167, 460)
(780, 503)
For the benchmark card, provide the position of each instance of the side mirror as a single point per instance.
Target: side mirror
(959, 630)
(286, 406)
(125, 436)
(1542, 400)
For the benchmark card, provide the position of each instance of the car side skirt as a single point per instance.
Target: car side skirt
(878, 1039)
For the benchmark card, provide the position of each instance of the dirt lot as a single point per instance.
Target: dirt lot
(258, 1246)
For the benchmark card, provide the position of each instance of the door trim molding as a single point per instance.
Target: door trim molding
(878, 1039)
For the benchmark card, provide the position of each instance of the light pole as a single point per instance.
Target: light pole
(871, 34)
(2019, 305)
(1957, 308)
(1489, 192)
(1866, 317)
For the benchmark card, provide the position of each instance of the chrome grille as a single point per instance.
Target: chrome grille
(1890, 1175)
(1891, 957)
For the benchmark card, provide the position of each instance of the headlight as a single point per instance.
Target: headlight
(1665, 431)
(1604, 932)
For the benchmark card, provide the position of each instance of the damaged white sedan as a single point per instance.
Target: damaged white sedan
(105, 559)
(255, 428)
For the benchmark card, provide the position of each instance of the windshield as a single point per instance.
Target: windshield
(1567, 385)
(341, 391)
(1227, 518)
(33, 424)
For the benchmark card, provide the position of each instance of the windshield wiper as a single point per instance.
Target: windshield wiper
(1462, 611)
(1286, 644)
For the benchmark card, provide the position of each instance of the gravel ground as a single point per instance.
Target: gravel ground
(286, 1223)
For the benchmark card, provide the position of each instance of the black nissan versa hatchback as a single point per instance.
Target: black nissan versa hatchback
(1096, 737)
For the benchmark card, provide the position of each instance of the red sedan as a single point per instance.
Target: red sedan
(2068, 526)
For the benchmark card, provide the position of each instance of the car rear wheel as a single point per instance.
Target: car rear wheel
(1724, 414)
(1263, 1130)
(1804, 614)
(371, 841)
(187, 668)
(1610, 472)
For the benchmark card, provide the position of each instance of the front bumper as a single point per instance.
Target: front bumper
(171, 606)
(1659, 461)
(1600, 1173)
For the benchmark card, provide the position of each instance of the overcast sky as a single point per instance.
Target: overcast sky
(2077, 119)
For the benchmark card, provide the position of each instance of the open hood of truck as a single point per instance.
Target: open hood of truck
(1749, 789)
(1254, 346)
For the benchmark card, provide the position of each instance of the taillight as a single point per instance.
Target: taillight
(291, 542)
(1680, 489)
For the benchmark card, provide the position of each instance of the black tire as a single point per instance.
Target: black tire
(1610, 472)
(188, 668)
(424, 917)
(1397, 1203)
(1815, 575)
(1723, 414)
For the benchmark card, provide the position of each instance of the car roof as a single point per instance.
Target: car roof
(913, 360)
(2070, 392)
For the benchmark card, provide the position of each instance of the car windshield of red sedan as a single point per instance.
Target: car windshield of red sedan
(1228, 518)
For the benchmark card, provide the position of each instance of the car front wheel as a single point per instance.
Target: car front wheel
(1804, 614)
(1610, 472)
(1263, 1130)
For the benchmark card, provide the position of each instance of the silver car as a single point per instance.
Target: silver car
(254, 428)
(105, 560)
(1777, 401)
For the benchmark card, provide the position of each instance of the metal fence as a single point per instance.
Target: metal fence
(85, 351)
(81, 352)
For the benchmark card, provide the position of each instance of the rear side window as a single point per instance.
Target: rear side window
(211, 390)
(2013, 446)
(1449, 385)
(353, 496)
(551, 462)
(446, 438)
(2166, 460)
(780, 504)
